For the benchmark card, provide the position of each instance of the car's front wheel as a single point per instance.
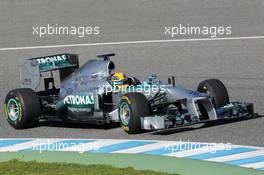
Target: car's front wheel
(22, 108)
(216, 90)
(131, 108)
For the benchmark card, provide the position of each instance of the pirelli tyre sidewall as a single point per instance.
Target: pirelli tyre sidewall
(22, 108)
(131, 108)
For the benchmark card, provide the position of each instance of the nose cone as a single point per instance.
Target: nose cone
(180, 92)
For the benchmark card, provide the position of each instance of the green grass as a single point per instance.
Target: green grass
(16, 167)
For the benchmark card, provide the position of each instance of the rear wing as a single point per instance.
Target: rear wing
(32, 69)
(55, 62)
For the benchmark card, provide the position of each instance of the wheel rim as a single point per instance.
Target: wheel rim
(124, 113)
(13, 109)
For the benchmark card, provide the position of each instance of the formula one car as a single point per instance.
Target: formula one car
(97, 93)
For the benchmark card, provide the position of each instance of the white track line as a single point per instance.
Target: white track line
(31, 144)
(143, 148)
(99, 143)
(193, 152)
(132, 42)
(254, 165)
(238, 156)
(187, 153)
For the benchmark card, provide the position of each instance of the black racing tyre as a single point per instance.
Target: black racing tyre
(217, 90)
(131, 108)
(22, 108)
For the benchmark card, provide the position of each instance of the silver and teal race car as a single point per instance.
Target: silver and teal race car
(97, 93)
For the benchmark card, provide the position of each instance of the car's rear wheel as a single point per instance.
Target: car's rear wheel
(131, 108)
(22, 108)
(216, 90)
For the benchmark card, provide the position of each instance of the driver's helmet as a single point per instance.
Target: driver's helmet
(119, 79)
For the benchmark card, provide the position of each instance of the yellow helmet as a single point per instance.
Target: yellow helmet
(119, 79)
(119, 76)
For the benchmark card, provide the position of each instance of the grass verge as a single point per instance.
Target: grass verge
(17, 167)
(143, 162)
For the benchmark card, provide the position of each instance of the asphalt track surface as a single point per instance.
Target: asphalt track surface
(238, 63)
